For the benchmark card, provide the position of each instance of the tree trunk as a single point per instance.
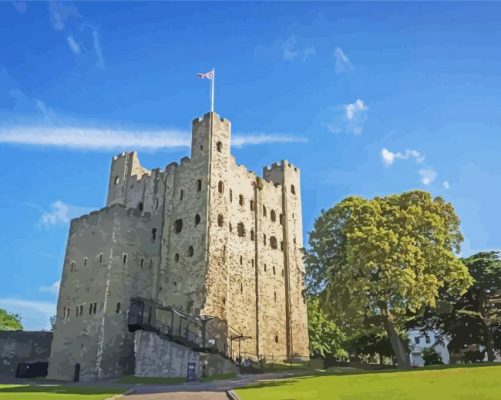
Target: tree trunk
(489, 343)
(398, 348)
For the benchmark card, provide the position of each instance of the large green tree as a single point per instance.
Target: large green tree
(9, 322)
(377, 260)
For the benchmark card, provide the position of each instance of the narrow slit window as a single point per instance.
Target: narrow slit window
(199, 185)
(124, 259)
(220, 187)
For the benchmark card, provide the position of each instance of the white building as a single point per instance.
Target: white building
(421, 340)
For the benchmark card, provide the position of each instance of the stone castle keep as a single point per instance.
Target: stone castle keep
(202, 255)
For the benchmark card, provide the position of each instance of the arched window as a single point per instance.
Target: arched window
(252, 234)
(273, 215)
(197, 219)
(219, 146)
(220, 187)
(241, 229)
(276, 338)
(178, 225)
(241, 200)
(264, 211)
(293, 189)
(140, 206)
(199, 185)
(220, 220)
(191, 251)
(176, 257)
(273, 242)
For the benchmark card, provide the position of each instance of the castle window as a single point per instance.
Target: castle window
(181, 194)
(241, 260)
(140, 206)
(241, 287)
(252, 263)
(276, 338)
(264, 267)
(178, 225)
(273, 215)
(231, 195)
(241, 200)
(252, 234)
(264, 211)
(142, 263)
(281, 218)
(274, 271)
(220, 187)
(151, 264)
(124, 259)
(156, 204)
(117, 310)
(85, 261)
(81, 310)
(191, 251)
(219, 146)
(176, 257)
(100, 258)
(273, 242)
(224, 300)
(282, 246)
(197, 219)
(153, 233)
(199, 185)
(283, 273)
(241, 229)
(94, 309)
(251, 205)
(220, 220)
(275, 296)
(90, 309)
(72, 268)
(293, 189)
(116, 180)
(230, 227)
(264, 239)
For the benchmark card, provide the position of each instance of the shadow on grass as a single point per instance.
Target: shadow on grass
(57, 389)
(135, 380)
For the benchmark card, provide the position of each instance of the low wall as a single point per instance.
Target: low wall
(159, 357)
(20, 346)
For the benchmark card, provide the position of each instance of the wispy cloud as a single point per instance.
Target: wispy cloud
(291, 50)
(61, 213)
(60, 13)
(35, 315)
(428, 175)
(343, 63)
(446, 185)
(74, 46)
(263, 138)
(349, 118)
(104, 139)
(388, 157)
(54, 288)
(20, 6)
(97, 48)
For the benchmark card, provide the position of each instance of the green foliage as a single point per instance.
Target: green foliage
(374, 343)
(431, 357)
(9, 322)
(377, 261)
(325, 337)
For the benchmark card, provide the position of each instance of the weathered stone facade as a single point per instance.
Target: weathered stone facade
(23, 347)
(206, 236)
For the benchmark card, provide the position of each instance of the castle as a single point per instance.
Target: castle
(204, 239)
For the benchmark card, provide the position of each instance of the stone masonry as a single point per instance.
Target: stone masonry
(206, 236)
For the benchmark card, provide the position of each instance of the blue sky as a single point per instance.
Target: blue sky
(366, 98)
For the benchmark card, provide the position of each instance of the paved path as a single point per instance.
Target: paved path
(180, 395)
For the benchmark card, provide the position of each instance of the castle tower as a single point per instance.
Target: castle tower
(205, 236)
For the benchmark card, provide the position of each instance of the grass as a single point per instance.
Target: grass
(55, 392)
(479, 383)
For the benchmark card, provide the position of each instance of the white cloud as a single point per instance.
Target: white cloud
(343, 63)
(291, 51)
(99, 51)
(104, 139)
(54, 288)
(348, 118)
(262, 138)
(446, 185)
(74, 46)
(60, 13)
(388, 157)
(35, 315)
(354, 110)
(61, 213)
(427, 175)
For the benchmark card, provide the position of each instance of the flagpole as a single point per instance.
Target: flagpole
(212, 90)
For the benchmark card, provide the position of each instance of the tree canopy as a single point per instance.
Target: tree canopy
(9, 322)
(377, 260)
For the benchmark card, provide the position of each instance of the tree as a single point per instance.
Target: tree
(431, 357)
(9, 322)
(326, 339)
(384, 258)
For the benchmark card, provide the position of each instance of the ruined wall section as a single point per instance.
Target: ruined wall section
(102, 268)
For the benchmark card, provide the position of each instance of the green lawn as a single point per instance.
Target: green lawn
(51, 392)
(139, 380)
(479, 383)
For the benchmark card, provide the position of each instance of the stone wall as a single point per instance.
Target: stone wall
(21, 346)
(159, 357)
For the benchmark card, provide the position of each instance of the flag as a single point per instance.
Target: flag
(207, 75)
